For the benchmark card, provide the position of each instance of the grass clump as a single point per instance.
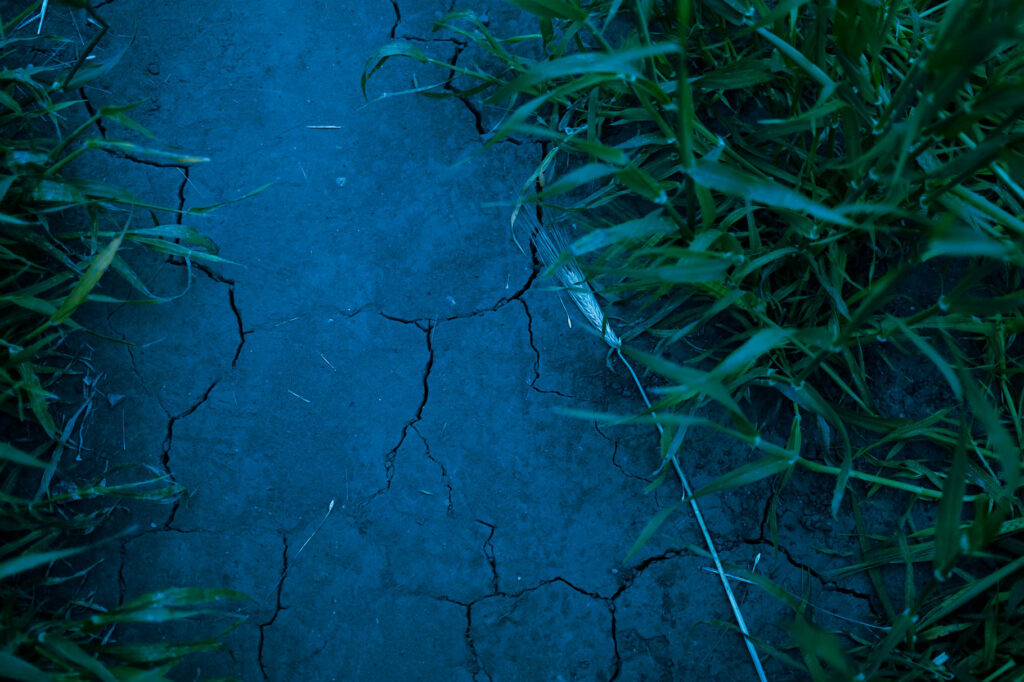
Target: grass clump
(59, 236)
(828, 193)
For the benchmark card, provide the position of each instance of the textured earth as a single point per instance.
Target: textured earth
(363, 409)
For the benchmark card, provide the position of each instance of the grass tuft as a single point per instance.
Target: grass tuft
(826, 197)
(61, 237)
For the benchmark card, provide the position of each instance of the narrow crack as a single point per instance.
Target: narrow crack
(617, 658)
(615, 454)
(450, 509)
(478, 664)
(218, 278)
(505, 300)
(489, 553)
(478, 119)
(635, 572)
(92, 112)
(426, 371)
(241, 328)
(627, 474)
(417, 39)
(609, 602)
(142, 381)
(278, 608)
(536, 356)
(398, 18)
(165, 454)
(211, 273)
(533, 346)
(427, 327)
(165, 457)
(827, 583)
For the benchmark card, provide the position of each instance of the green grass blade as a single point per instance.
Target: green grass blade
(88, 282)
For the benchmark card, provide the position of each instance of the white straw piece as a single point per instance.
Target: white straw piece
(42, 16)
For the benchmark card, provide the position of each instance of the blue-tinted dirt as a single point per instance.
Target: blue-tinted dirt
(363, 408)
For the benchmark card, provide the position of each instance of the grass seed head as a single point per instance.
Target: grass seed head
(553, 252)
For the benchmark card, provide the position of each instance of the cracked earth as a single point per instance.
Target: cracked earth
(362, 411)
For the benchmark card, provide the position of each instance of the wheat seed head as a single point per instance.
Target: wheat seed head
(551, 248)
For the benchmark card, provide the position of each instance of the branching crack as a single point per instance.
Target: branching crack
(489, 553)
(505, 300)
(536, 355)
(828, 583)
(635, 572)
(450, 510)
(278, 608)
(427, 327)
(478, 668)
(165, 455)
(478, 119)
(241, 327)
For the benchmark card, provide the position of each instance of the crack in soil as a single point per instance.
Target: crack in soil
(450, 509)
(628, 580)
(181, 193)
(398, 18)
(241, 328)
(278, 608)
(827, 583)
(471, 644)
(427, 328)
(165, 457)
(505, 300)
(536, 356)
(165, 454)
(93, 111)
(417, 39)
(608, 601)
(478, 119)
(488, 548)
(218, 278)
(615, 453)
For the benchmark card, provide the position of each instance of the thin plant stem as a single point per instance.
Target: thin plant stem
(551, 250)
(688, 493)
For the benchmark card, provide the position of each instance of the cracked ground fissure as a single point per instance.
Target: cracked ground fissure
(427, 327)
(278, 607)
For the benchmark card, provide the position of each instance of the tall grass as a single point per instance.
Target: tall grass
(831, 191)
(60, 235)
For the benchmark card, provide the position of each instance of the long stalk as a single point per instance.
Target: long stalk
(552, 251)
